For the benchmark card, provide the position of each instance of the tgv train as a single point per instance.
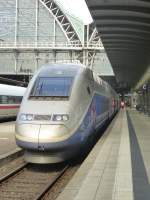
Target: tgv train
(10, 99)
(63, 106)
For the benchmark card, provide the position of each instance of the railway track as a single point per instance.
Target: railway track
(30, 181)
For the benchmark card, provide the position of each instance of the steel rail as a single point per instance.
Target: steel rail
(51, 183)
(12, 173)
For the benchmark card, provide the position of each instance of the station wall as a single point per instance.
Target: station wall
(28, 22)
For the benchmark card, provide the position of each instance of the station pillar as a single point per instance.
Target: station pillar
(146, 98)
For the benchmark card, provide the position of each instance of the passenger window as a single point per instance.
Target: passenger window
(0, 99)
(4, 99)
(88, 90)
(10, 99)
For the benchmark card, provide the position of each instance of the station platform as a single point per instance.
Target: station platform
(118, 167)
(7, 139)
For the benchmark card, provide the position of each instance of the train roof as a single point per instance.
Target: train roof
(11, 90)
(61, 69)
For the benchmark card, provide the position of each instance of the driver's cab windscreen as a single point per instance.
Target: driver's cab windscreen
(52, 87)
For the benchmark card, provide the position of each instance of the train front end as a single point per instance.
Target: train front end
(44, 127)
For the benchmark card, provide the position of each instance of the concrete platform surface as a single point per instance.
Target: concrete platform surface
(7, 139)
(118, 167)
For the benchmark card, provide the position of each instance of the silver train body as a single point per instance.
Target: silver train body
(10, 100)
(63, 106)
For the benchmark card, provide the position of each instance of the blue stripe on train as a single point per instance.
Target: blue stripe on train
(97, 107)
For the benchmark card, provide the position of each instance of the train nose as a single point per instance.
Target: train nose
(28, 131)
(52, 133)
(38, 136)
(27, 135)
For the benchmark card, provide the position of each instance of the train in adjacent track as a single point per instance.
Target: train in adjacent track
(62, 108)
(10, 100)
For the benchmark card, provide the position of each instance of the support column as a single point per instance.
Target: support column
(54, 32)
(86, 43)
(141, 101)
(36, 22)
(145, 98)
(54, 56)
(36, 60)
(85, 57)
(16, 23)
(70, 56)
(16, 54)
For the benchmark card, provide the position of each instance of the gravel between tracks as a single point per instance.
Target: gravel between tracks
(10, 166)
(27, 183)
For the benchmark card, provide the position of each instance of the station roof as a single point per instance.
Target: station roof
(124, 27)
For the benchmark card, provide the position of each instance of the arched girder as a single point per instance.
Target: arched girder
(95, 38)
(65, 25)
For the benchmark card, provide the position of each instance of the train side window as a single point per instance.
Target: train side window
(18, 99)
(10, 99)
(0, 99)
(4, 99)
(88, 90)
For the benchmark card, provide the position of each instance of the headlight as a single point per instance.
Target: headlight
(65, 117)
(23, 117)
(26, 117)
(60, 117)
(30, 117)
